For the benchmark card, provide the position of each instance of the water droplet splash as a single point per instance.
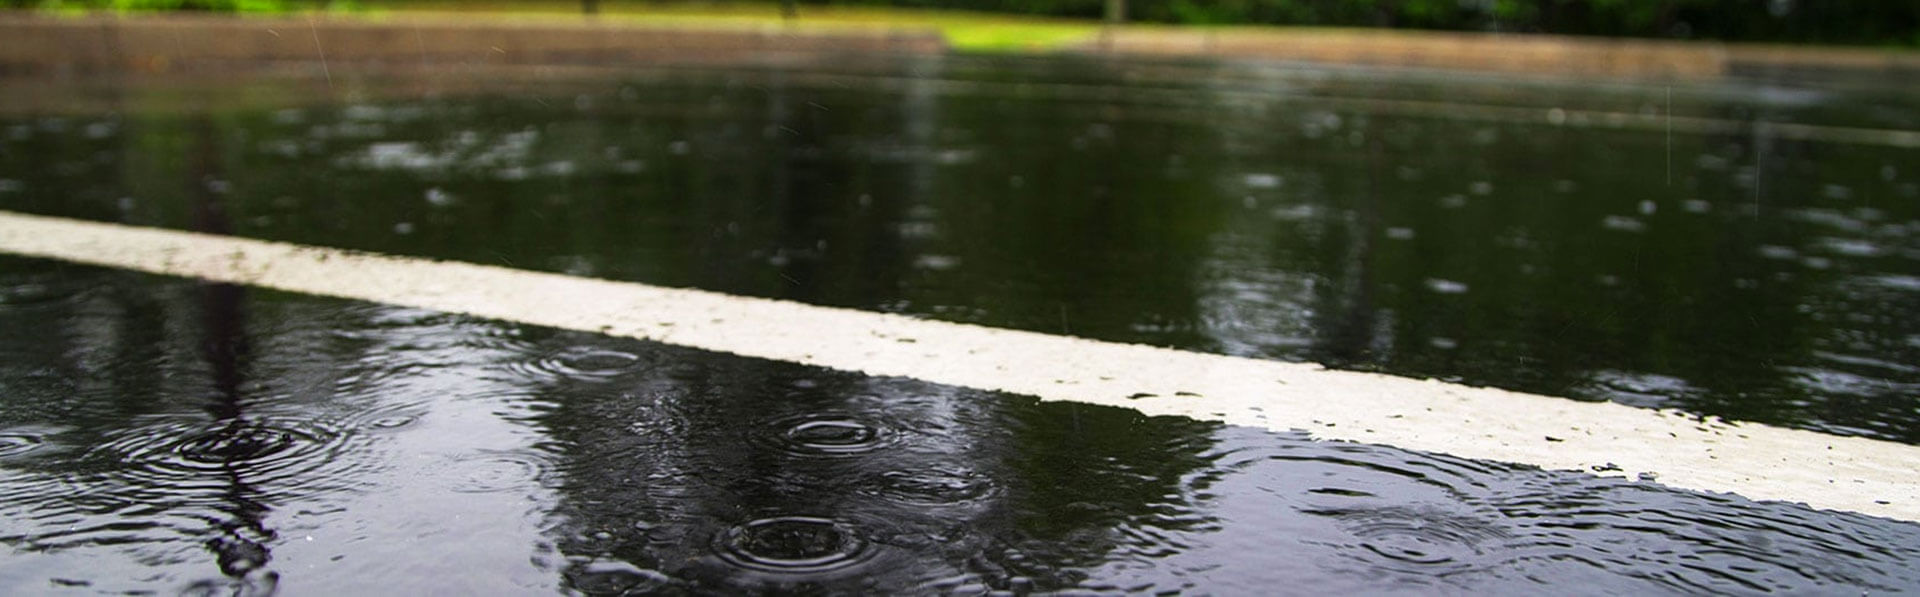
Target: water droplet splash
(1415, 540)
(392, 422)
(583, 363)
(828, 435)
(933, 486)
(803, 546)
(296, 455)
(502, 471)
(240, 444)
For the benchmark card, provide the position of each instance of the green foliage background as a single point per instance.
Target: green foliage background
(154, 5)
(1852, 21)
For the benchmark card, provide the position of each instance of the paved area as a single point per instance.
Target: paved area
(1756, 461)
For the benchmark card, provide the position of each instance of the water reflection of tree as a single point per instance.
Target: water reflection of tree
(240, 547)
(1062, 217)
(1564, 285)
(1564, 279)
(661, 463)
(1345, 315)
(1085, 475)
(116, 342)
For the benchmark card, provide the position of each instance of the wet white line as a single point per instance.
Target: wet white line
(1756, 461)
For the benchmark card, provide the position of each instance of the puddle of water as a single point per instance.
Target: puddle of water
(1326, 216)
(160, 435)
(242, 450)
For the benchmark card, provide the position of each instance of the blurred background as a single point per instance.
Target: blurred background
(1888, 23)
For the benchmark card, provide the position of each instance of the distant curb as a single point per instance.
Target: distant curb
(38, 44)
(34, 44)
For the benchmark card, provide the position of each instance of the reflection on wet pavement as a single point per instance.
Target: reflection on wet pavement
(168, 436)
(1548, 238)
(386, 449)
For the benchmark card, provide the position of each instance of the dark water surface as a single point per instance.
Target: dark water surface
(168, 435)
(1421, 226)
(1754, 257)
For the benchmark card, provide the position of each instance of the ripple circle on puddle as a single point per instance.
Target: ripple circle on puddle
(390, 423)
(932, 486)
(583, 363)
(286, 453)
(794, 545)
(826, 435)
(1412, 540)
(501, 471)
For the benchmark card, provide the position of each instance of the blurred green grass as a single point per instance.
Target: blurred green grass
(964, 31)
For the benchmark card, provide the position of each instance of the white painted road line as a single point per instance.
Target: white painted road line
(1756, 461)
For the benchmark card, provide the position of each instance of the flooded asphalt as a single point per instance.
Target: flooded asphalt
(172, 436)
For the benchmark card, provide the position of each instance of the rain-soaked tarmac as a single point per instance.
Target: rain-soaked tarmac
(1742, 250)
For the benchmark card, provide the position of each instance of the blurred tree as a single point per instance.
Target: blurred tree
(1866, 22)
